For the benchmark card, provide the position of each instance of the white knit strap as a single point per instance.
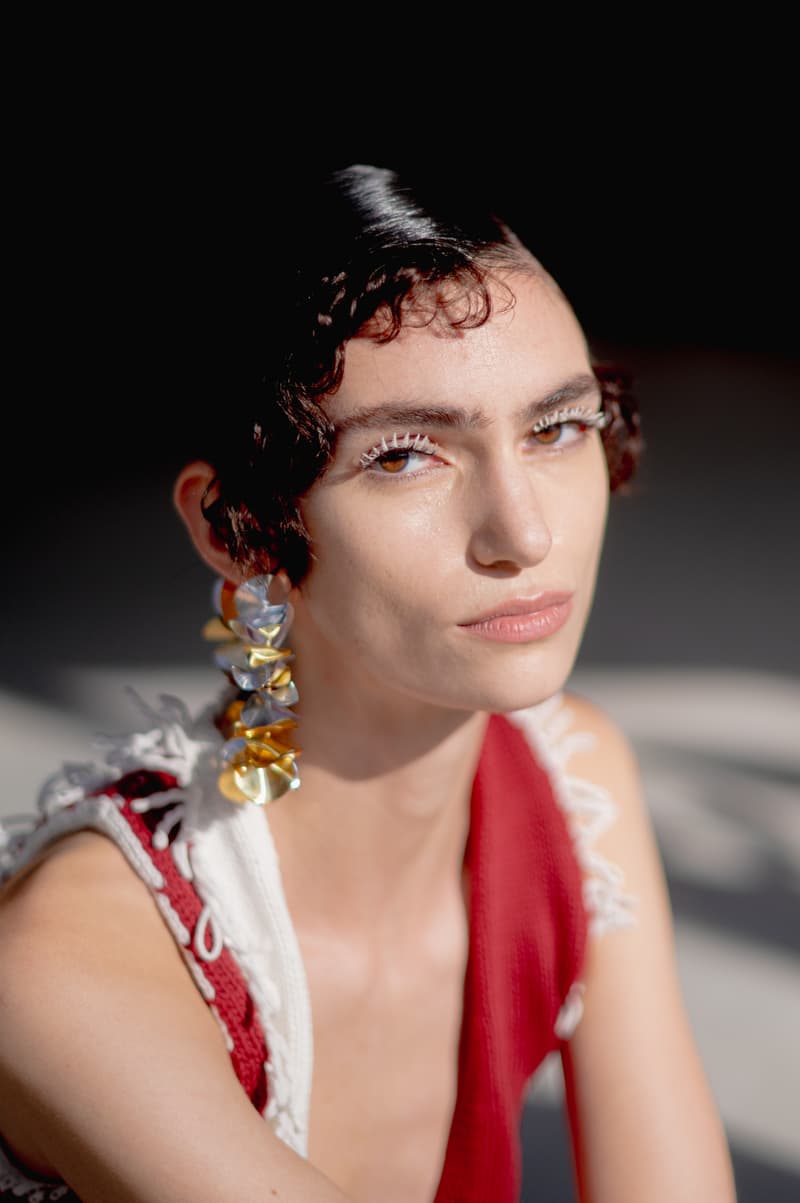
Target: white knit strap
(236, 872)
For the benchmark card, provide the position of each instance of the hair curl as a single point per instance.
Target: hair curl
(368, 240)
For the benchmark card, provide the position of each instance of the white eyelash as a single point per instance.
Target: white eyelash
(423, 443)
(600, 420)
(408, 442)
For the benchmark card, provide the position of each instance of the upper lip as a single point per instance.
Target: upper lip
(521, 605)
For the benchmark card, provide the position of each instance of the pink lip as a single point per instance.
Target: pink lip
(521, 605)
(523, 627)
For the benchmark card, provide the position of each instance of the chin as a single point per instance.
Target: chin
(531, 697)
(518, 691)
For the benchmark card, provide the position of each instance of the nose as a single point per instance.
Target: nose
(509, 527)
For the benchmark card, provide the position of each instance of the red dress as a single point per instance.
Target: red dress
(528, 928)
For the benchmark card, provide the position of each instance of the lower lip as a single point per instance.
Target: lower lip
(522, 628)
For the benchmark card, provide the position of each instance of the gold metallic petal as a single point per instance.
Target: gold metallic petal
(228, 786)
(262, 752)
(257, 733)
(216, 630)
(255, 784)
(233, 710)
(284, 677)
(280, 728)
(284, 773)
(256, 656)
(261, 785)
(271, 632)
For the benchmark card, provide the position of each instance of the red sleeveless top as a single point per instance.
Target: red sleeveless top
(527, 938)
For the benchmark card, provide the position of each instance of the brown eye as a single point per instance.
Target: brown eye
(395, 455)
(391, 464)
(550, 434)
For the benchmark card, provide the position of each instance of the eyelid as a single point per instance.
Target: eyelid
(408, 442)
(600, 418)
(423, 443)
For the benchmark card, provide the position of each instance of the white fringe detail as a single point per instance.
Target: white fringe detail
(590, 810)
(571, 1012)
(227, 852)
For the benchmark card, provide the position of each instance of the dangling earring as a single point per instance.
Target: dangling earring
(259, 753)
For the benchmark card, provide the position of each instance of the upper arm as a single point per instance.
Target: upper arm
(643, 1120)
(110, 1055)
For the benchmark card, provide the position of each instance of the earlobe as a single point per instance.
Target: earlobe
(188, 493)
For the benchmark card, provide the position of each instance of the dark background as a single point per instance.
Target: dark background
(676, 244)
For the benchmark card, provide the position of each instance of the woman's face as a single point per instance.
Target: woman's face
(408, 547)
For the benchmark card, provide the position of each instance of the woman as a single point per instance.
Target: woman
(395, 818)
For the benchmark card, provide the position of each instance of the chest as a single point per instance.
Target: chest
(384, 1085)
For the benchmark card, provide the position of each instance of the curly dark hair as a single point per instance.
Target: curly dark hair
(364, 237)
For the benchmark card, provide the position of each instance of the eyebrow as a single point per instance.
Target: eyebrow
(410, 413)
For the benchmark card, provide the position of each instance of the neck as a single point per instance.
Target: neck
(373, 841)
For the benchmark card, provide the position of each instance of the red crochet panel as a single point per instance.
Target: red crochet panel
(232, 1000)
(528, 934)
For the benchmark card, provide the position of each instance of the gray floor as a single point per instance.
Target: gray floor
(692, 644)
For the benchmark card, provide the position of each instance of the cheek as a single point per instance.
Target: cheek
(367, 535)
(590, 527)
(368, 552)
(578, 507)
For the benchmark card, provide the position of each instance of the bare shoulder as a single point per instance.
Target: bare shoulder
(81, 857)
(90, 974)
(611, 755)
(79, 904)
(628, 839)
(114, 1075)
(633, 1064)
(640, 952)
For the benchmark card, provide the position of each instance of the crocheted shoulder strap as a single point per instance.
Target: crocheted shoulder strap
(141, 812)
(153, 815)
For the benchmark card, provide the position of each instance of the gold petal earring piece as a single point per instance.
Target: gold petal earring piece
(259, 752)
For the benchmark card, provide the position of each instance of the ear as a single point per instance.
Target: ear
(187, 496)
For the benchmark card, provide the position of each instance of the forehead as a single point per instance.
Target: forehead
(531, 340)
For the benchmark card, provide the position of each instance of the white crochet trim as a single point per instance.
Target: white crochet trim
(590, 810)
(236, 873)
(571, 1012)
(101, 814)
(227, 852)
